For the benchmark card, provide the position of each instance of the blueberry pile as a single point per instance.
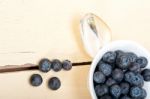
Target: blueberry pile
(121, 75)
(45, 65)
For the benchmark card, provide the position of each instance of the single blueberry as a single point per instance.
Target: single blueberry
(101, 90)
(106, 97)
(125, 97)
(123, 61)
(109, 57)
(106, 69)
(135, 67)
(110, 82)
(142, 61)
(99, 77)
(128, 76)
(36, 80)
(118, 75)
(45, 65)
(135, 79)
(115, 91)
(54, 83)
(146, 74)
(125, 88)
(56, 65)
(132, 56)
(67, 65)
(136, 92)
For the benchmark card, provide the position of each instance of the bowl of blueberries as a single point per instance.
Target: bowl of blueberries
(120, 70)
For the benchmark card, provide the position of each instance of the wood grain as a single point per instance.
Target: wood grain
(74, 85)
(35, 29)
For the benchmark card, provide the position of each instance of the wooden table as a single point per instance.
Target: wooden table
(33, 29)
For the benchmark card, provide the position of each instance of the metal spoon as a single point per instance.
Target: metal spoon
(95, 33)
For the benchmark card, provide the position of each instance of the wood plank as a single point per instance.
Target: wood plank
(74, 85)
(33, 29)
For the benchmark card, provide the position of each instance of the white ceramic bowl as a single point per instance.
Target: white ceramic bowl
(127, 46)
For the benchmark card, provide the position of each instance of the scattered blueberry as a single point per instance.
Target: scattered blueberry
(54, 83)
(118, 75)
(142, 61)
(110, 82)
(99, 77)
(135, 67)
(146, 74)
(109, 57)
(36, 80)
(67, 65)
(101, 90)
(45, 65)
(136, 92)
(56, 65)
(106, 69)
(115, 91)
(124, 88)
(123, 61)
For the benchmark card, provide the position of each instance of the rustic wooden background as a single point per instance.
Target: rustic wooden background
(33, 29)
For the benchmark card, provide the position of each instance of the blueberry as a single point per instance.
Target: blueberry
(136, 92)
(125, 97)
(118, 75)
(54, 83)
(36, 80)
(144, 94)
(109, 57)
(106, 97)
(115, 91)
(110, 82)
(128, 76)
(106, 69)
(67, 65)
(56, 65)
(142, 61)
(101, 90)
(146, 74)
(135, 67)
(124, 88)
(45, 65)
(99, 77)
(123, 61)
(134, 78)
(132, 56)
(119, 53)
(138, 80)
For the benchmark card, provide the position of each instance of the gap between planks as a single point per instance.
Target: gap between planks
(28, 66)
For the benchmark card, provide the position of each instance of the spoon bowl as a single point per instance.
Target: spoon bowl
(95, 33)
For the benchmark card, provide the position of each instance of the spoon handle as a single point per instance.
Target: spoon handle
(94, 33)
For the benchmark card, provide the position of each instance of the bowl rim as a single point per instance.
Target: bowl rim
(102, 51)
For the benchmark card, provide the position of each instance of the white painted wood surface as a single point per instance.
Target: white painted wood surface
(32, 29)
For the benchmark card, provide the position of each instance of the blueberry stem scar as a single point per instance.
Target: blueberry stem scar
(29, 66)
